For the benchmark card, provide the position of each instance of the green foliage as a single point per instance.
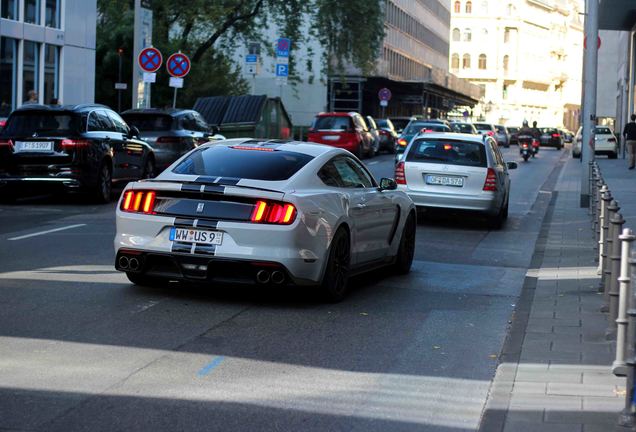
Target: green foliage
(351, 32)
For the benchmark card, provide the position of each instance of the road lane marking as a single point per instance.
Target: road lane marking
(373, 163)
(205, 370)
(46, 232)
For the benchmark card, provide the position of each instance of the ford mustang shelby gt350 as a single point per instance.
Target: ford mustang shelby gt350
(264, 212)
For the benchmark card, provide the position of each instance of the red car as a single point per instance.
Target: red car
(344, 130)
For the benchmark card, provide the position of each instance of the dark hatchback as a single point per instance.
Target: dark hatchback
(171, 133)
(80, 148)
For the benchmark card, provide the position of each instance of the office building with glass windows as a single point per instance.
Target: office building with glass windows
(47, 47)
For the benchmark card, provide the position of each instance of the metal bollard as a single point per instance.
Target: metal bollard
(601, 239)
(598, 200)
(619, 367)
(627, 417)
(612, 207)
(614, 267)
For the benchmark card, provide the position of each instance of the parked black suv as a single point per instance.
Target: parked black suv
(171, 132)
(83, 148)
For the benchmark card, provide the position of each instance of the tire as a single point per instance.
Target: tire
(406, 250)
(103, 188)
(359, 151)
(575, 156)
(149, 169)
(496, 222)
(526, 157)
(612, 155)
(144, 280)
(336, 277)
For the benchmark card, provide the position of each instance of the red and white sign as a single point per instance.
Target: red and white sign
(150, 59)
(178, 65)
(384, 94)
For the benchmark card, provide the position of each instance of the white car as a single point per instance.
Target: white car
(605, 142)
(458, 172)
(264, 212)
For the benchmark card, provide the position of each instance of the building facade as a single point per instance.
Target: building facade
(412, 64)
(40, 50)
(525, 54)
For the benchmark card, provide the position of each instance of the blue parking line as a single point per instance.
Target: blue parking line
(205, 370)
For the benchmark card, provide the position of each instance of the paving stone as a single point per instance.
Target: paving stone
(572, 389)
(519, 426)
(604, 404)
(549, 376)
(521, 387)
(587, 417)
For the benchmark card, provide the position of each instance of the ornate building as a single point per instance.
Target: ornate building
(525, 54)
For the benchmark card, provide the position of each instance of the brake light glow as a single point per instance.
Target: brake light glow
(448, 147)
(402, 142)
(139, 202)
(491, 181)
(71, 143)
(555, 135)
(6, 143)
(273, 213)
(400, 176)
(490, 133)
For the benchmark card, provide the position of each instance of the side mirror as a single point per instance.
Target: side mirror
(134, 132)
(512, 165)
(388, 184)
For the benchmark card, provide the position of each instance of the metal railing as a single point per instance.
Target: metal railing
(616, 266)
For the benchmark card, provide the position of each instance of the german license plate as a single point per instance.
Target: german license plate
(188, 235)
(331, 137)
(444, 180)
(34, 146)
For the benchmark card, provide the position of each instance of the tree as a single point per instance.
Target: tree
(207, 30)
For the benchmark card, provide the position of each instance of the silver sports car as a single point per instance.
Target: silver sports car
(264, 212)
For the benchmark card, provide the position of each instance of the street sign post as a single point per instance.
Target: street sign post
(385, 96)
(141, 91)
(149, 60)
(283, 47)
(178, 66)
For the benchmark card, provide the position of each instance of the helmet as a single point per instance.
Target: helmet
(525, 123)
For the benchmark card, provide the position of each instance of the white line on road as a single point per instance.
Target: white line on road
(373, 163)
(47, 232)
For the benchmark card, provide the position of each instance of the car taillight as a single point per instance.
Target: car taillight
(491, 181)
(400, 175)
(139, 202)
(555, 135)
(490, 133)
(402, 142)
(524, 145)
(273, 213)
(6, 143)
(71, 143)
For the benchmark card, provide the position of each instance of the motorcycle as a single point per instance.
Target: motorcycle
(526, 148)
(535, 147)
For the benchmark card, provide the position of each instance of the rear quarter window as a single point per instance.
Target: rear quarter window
(450, 152)
(235, 162)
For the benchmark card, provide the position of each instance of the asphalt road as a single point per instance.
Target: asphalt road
(83, 349)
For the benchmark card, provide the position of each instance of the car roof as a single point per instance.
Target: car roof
(60, 108)
(336, 114)
(311, 149)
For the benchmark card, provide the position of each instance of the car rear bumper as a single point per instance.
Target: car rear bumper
(249, 247)
(487, 203)
(66, 182)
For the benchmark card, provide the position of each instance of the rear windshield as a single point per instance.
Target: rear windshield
(603, 131)
(482, 127)
(400, 124)
(447, 152)
(385, 123)
(415, 128)
(149, 122)
(462, 128)
(513, 129)
(28, 123)
(332, 123)
(500, 129)
(222, 161)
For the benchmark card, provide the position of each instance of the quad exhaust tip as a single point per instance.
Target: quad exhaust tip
(124, 262)
(263, 276)
(278, 277)
(133, 263)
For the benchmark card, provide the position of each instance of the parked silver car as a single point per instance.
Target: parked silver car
(502, 136)
(456, 171)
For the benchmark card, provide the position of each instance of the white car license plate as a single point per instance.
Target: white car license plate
(444, 180)
(331, 137)
(34, 146)
(187, 235)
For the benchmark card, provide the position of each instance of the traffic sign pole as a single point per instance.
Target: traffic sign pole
(178, 66)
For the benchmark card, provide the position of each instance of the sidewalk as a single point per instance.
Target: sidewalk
(555, 370)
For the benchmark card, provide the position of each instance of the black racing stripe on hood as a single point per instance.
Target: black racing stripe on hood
(190, 188)
(214, 189)
(229, 181)
(224, 181)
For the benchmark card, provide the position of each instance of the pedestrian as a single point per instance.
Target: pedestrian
(32, 97)
(629, 133)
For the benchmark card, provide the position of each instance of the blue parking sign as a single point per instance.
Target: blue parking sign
(282, 70)
(283, 45)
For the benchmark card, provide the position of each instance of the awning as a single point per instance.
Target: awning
(617, 14)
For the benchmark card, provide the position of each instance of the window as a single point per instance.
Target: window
(118, 122)
(8, 75)
(482, 61)
(469, 7)
(455, 61)
(9, 9)
(468, 35)
(332, 123)
(458, 7)
(52, 13)
(484, 7)
(106, 124)
(504, 92)
(445, 151)
(149, 122)
(466, 61)
(456, 35)
(507, 35)
(31, 67)
(32, 11)
(26, 123)
(506, 62)
(51, 73)
(344, 172)
(93, 123)
(511, 9)
(484, 32)
(240, 161)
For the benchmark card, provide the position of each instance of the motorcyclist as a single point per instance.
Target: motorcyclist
(525, 130)
(536, 133)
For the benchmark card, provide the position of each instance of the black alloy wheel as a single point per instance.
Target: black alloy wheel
(336, 277)
(103, 188)
(406, 250)
(149, 169)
